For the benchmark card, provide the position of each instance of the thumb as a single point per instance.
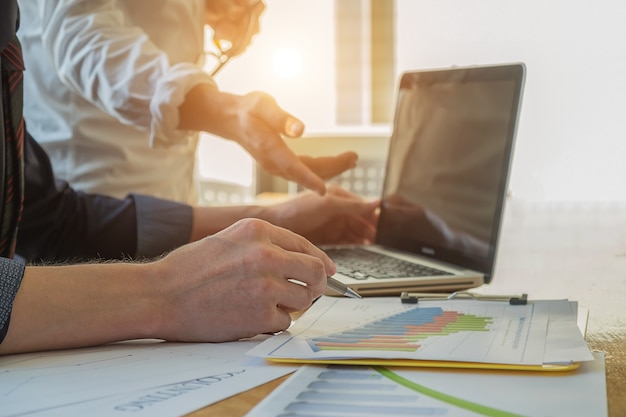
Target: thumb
(293, 127)
(266, 109)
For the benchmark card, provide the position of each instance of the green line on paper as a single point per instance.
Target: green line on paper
(458, 402)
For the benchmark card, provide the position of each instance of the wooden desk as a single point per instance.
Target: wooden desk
(549, 250)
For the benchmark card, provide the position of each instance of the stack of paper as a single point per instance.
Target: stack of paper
(452, 333)
(377, 334)
(364, 391)
(141, 378)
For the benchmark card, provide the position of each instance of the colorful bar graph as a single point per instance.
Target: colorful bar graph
(402, 331)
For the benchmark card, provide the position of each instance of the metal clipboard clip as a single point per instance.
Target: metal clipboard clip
(414, 297)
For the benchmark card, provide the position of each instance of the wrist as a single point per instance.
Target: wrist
(151, 303)
(208, 109)
(157, 310)
(210, 220)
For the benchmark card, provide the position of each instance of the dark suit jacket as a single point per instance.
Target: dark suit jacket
(59, 223)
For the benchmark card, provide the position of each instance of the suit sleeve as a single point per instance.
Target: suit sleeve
(11, 274)
(61, 224)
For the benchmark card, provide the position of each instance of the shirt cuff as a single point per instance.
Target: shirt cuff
(162, 225)
(11, 274)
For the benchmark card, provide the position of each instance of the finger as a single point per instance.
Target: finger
(350, 204)
(360, 230)
(278, 158)
(361, 222)
(351, 229)
(282, 161)
(338, 191)
(330, 166)
(295, 296)
(286, 321)
(334, 189)
(303, 270)
(277, 321)
(292, 242)
(292, 126)
(278, 119)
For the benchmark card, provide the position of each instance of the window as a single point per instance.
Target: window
(344, 84)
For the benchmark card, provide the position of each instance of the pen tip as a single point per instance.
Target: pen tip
(353, 293)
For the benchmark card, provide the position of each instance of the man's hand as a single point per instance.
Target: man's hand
(239, 283)
(258, 124)
(263, 124)
(339, 217)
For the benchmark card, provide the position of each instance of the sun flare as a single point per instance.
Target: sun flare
(287, 62)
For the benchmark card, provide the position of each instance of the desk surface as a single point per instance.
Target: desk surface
(548, 250)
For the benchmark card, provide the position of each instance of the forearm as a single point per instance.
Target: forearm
(210, 220)
(83, 305)
(207, 109)
(200, 292)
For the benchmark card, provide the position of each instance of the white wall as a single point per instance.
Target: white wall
(309, 27)
(302, 24)
(571, 140)
(571, 143)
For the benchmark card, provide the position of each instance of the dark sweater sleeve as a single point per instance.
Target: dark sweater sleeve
(61, 224)
(11, 274)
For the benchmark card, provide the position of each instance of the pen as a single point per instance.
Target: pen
(335, 285)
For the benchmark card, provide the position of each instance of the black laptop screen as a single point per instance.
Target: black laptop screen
(448, 164)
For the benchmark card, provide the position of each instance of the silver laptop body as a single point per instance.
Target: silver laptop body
(445, 183)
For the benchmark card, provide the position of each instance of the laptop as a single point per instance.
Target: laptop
(445, 183)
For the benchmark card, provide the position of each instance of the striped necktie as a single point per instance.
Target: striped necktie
(11, 69)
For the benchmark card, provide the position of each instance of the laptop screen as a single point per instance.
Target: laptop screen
(448, 165)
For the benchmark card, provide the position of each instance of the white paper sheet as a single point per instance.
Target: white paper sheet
(453, 330)
(136, 378)
(372, 391)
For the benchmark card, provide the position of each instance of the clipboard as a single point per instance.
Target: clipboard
(413, 363)
(413, 298)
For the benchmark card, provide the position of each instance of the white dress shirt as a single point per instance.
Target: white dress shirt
(103, 84)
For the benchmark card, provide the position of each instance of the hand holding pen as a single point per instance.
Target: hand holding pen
(341, 288)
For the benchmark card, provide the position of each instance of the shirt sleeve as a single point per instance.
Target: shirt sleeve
(11, 274)
(162, 225)
(114, 65)
(60, 224)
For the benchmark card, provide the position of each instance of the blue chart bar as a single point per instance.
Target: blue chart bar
(357, 391)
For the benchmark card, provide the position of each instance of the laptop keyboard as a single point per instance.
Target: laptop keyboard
(362, 264)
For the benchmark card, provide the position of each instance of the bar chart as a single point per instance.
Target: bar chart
(338, 329)
(403, 331)
(364, 391)
(351, 391)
